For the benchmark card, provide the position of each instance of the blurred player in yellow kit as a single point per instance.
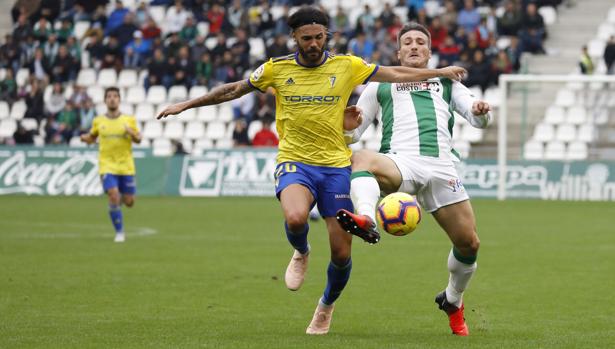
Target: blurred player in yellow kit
(116, 133)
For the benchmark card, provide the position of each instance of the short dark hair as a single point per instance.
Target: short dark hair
(111, 89)
(413, 26)
(307, 15)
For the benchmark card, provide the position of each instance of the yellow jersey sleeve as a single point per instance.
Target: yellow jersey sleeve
(262, 77)
(132, 123)
(94, 129)
(361, 70)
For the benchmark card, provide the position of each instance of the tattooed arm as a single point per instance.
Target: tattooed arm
(217, 95)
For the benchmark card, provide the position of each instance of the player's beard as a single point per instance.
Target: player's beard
(313, 56)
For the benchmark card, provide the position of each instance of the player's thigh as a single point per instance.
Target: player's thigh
(383, 168)
(296, 201)
(339, 240)
(128, 188)
(333, 190)
(459, 223)
(111, 187)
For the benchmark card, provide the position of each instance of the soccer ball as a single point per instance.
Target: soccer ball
(398, 214)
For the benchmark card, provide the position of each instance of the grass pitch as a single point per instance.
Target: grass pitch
(208, 273)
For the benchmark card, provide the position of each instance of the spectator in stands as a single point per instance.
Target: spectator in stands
(150, 29)
(77, 13)
(609, 55)
(65, 67)
(449, 52)
(67, 122)
(204, 70)
(379, 33)
(279, 47)
(218, 51)
(173, 44)
(99, 18)
(280, 23)
(51, 48)
(468, 17)
(116, 18)
(125, 31)
(87, 113)
(42, 29)
(22, 29)
(479, 71)
(266, 27)
(414, 6)
(510, 21)
(8, 87)
(184, 68)
(65, 31)
(96, 51)
(387, 16)
(585, 62)
(141, 14)
(500, 65)
(157, 69)
(361, 46)
(265, 105)
(365, 22)
(23, 136)
(10, 53)
(243, 107)
(514, 53)
(338, 44)
(39, 67)
(198, 48)
(215, 16)
(35, 102)
(189, 31)
(438, 34)
(25, 7)
(176, 17)
(178, 148)
(74, 48)
(236, 15)
(240, 133)
(265, 137)
(79, 96)
(141, 50)
(449, 17)
(55, 102)
(114, 54)
(532, 31)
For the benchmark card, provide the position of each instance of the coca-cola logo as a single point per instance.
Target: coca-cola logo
(64, 176)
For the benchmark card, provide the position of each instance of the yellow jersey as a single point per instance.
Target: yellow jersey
(310, 103)
(115, 144)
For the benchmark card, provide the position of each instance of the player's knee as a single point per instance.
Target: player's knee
(114, 198)
(470, 246)
(296, 220)
(340, 256)
(360, 161)
(129, 202)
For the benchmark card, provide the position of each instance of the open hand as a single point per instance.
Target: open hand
(453, 72)
(173, 109)
(353, 117)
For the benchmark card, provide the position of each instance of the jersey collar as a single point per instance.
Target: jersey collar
(312, 66)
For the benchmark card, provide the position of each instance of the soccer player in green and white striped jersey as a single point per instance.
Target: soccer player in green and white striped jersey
(416, 156)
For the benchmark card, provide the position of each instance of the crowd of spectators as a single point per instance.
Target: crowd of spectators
(43, 40)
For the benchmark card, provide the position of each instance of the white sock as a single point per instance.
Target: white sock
(460, 275)
(365, 192)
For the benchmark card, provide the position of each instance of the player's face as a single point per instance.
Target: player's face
(414, 49)
(112, 100)
(311, 40)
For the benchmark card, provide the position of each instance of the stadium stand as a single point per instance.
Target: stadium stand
(162, 51)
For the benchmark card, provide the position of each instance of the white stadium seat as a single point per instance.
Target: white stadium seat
(86, 77)
(135, 95)
(101, 108)
(76, 142)
(197, 91)
(127, 109)
(586, 133)
(595, 48)
(544, 132)
(195, 130)
(96, 92)
(4, 110)
(107, 77)
(203, 143)
(224, 143)
(253, 128)
(215, 130)
(548, 14)
(152, 130)
(554, 115)
(22, 76)
(162, 147)
(187, 115)
(18, 110)
(555, 150)
(566, 133)
(173, 130)
(207, 113)
(565, 98)
(533, 150)
(144, 112)
(127, 78)
(472, 134)
(257, 48)
(29, 124)
(225, 112)
(7, 128)
(577, 151)
(576, 115)
(177, 93)
(156, 95)
(81, 27)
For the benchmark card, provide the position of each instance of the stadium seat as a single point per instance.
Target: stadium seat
(224, 143)
(611, 15)
(22, 76)
(225, 112)
(595, 48)
(576, 115)
(145, 144)
(177, 93)
(162, 147)
(549, 15)
(555, 150)
(101, 108)
(157, 13)
(86, 77)
(29, 124)
(565, 98)
(97, 93)
(81, 27)
(7, 128)
(195, 130)
(197, 91)
(577, 151)
(18, 110)
(127, 78)
(566, 133)
(135, 95)
(203, 28)
(187, 144)
(203, 143)
(210, 43)
(127, 109)
(605, 30)
(493, 96)
(586, 133)
(39, 140)
(503, 42)
(554, 115)
(68, 91)
(156, 95)
(174, 130)
(152, 130)
(533, 150)
(215, 130)
(2, 73)
(142, 76)
(144, 112)
(257, 48)
(601, 117)
(4, 110)
(76, 142)
(107, 77)
(253, 128)
(277, 11)
(187, 115)
(544, 132)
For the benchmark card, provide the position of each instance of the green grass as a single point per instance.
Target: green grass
(208, 273)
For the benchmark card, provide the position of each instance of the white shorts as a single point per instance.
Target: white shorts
(433, 181)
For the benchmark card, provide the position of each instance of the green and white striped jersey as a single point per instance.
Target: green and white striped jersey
(417, 117)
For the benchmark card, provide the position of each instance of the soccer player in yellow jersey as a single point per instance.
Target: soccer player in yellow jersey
(116, 133)
(312, 89)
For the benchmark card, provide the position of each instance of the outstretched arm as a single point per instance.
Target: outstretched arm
(88, 138)
(407, 74)
(217, 95)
